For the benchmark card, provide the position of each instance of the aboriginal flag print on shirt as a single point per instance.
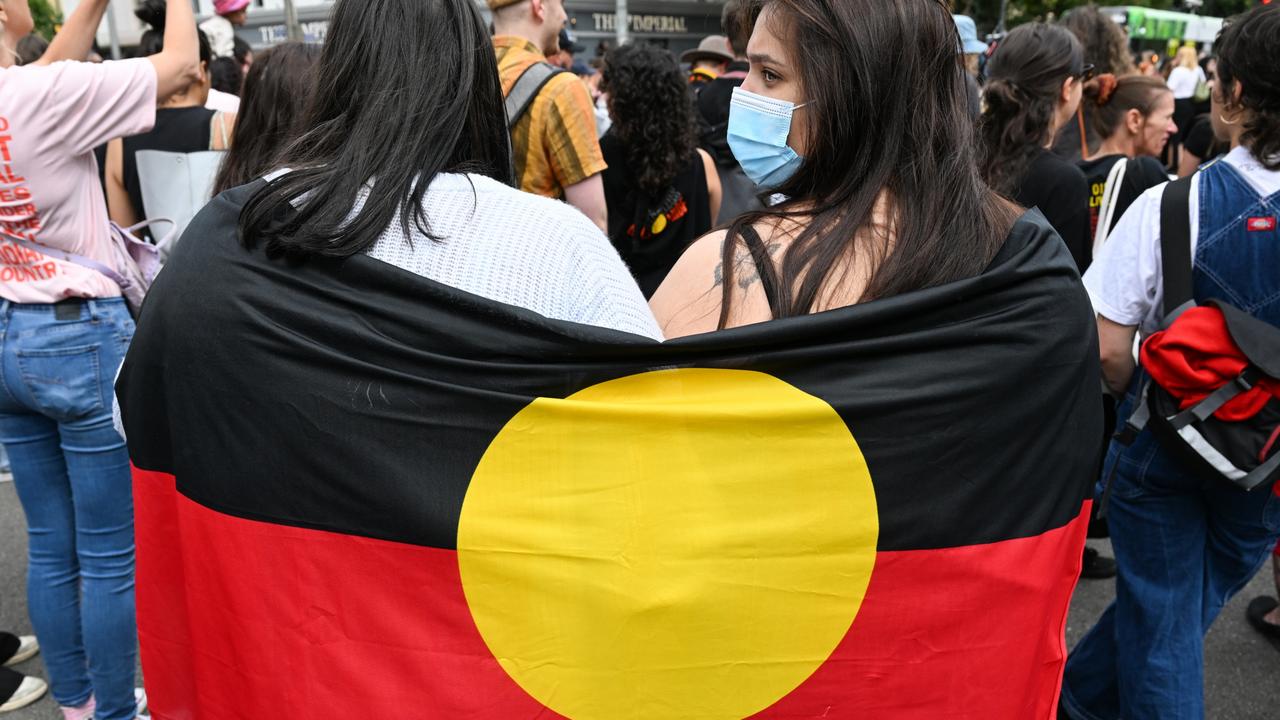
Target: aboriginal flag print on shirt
(360, 493)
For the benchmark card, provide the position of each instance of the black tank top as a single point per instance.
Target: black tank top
(652, 233)
(180, 130)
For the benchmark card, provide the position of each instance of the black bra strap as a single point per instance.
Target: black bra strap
(764, 268)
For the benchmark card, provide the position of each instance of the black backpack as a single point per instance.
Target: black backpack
(1245, 453)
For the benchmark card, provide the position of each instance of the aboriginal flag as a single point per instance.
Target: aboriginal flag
(360, 493)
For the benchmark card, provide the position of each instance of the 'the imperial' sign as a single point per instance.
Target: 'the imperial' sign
(608, 22)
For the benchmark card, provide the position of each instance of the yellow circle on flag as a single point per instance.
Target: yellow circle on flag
(687, 543)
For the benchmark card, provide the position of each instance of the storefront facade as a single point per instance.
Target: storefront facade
(678, 26)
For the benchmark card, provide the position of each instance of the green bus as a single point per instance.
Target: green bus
(1149, 27)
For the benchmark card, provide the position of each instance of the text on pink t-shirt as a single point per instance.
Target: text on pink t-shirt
(51, 119)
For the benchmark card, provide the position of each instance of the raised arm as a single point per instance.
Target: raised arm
(75, 39)
(178, 65)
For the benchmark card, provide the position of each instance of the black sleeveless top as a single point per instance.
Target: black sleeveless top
(652, 233)
(180, 130)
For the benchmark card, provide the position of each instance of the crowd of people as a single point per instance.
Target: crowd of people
(820, 154)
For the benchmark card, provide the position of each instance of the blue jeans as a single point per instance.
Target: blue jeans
(1184, 546)
(71, 471)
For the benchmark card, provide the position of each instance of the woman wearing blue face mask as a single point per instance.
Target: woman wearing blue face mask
(855, 113)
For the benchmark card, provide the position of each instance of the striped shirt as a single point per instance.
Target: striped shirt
(555, 143)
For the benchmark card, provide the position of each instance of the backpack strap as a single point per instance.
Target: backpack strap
(764, 269)
(1110, 199)
(1175, 247)
(526, 89)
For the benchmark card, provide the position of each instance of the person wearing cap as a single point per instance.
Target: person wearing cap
(708, 61)
(221, 28)
(554, 142)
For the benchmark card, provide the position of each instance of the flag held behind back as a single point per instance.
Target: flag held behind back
(359, 490)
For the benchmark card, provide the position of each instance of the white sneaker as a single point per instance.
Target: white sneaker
(140, 696)
(31, 690)
(26, 650)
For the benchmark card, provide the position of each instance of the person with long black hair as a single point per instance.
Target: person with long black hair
(662, 191)
(276, 92)
(1034, 85)
(432, 196)
(1185, 542)
(861, 220)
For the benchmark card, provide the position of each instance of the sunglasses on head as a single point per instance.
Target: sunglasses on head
(1086, 73)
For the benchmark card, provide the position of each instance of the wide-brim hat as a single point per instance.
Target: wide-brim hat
(226, 7)
(712, 47)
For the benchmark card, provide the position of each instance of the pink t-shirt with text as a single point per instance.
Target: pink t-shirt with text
(51, 119)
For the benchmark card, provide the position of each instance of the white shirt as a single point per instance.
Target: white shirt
(1125, 281)
(523, 250)
(1183, 81)
(222, 102)
(221, 34)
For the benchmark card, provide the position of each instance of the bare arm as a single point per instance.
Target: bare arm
(178, 65)
(119, 206)
(1116, 350)
(588, 196)
(76, 37)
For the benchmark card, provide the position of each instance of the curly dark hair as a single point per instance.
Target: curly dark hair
(1248, 54)
(1024, 77)
(1105, 45)
(652, 111)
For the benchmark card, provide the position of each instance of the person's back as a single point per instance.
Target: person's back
(1145, 657)
(555, 147)
(178, 130)
(1033, 88)
(516, 248)
(663, 192)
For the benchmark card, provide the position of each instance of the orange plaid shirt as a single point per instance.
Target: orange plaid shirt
(555, 143)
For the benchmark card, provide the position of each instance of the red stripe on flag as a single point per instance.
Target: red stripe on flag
(322, 626)
(245, 619)
(971, 632)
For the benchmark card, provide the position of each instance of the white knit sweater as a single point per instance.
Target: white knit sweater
(520, 249)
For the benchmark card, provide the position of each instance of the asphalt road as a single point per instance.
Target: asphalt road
(1243, 668)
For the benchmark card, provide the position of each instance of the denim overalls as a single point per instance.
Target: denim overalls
(1184, 544)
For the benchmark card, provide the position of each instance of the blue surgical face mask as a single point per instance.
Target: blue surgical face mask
(758, 130)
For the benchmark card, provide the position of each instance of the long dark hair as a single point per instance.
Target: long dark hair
(1248, 54)
(405, 90)
(1024, 79)
(153, 13)
(276, 94)
(652, 111)
(890, 113)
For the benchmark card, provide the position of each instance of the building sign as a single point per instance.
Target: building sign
(642, 24)
(312, 32)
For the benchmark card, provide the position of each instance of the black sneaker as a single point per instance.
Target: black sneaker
(1257, 615)
(1097, 567)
